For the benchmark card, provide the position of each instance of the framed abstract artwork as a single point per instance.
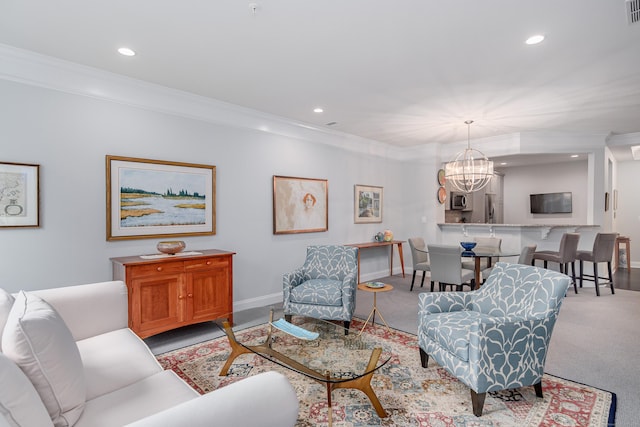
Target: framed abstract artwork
(19, 195)
(300, 205)
(154, 198)
(367, 204)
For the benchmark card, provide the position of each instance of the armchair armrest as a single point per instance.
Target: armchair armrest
(266, 400)
(92, 309)
(442, 302)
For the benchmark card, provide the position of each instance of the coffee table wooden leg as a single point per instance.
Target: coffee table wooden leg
(236, 349)
(364, 383)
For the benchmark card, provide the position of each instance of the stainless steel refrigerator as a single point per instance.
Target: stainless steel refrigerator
(492, 209)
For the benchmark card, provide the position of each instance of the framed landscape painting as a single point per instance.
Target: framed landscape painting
(154, 198)
(367, 204)
(19, 195)
(300, 205)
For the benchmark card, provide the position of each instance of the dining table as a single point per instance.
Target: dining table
(477, 254)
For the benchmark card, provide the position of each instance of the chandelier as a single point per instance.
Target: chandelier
(471, 170)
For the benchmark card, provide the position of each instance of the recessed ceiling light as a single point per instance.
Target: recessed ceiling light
(573, 156)
(126, 51)
(535, 39)
(318, 110)
(503, 163)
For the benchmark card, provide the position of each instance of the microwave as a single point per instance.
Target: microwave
(461, 201)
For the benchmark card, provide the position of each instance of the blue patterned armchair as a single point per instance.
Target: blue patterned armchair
(325, 286)
(494, 338)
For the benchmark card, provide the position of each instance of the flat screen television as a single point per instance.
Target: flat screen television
(549, 203)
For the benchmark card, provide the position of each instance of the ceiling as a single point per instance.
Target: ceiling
(403, 72)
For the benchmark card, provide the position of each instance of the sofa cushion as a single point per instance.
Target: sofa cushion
(318, 291)
(20, 404)
(6, 302)
(136, 401)
(114, 360)
(38, 341)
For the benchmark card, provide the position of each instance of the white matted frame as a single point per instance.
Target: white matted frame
(155, 198)
(368, 202)
(19, 195)
(300, 205)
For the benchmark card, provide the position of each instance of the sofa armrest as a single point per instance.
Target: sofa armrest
(264, 400)
(90, 310)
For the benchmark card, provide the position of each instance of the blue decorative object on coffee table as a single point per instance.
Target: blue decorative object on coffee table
(468, 246)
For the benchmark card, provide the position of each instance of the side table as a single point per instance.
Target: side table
(374, 309)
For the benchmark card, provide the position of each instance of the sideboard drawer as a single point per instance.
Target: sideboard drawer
(158, 268)
(206, 263)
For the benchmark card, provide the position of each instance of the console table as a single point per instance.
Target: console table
(169, 291)
(390, 243)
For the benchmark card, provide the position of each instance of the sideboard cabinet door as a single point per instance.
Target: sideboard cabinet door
(169, 292)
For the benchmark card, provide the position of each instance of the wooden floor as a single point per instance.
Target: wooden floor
(625, 278)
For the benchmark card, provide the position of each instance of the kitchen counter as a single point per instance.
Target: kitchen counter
(544, 229)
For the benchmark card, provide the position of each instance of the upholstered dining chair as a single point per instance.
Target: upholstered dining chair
(602, 251)
(420, 259)
(446, 267)
(325, 286)
(564, 256)
(496, 337)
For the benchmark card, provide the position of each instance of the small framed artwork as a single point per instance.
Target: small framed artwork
(606, 201)
(367, 204)
(19, 195)
(154, 198)
(300, 205)
(442, 195)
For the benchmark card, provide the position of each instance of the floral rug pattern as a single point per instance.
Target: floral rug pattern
(411, 395)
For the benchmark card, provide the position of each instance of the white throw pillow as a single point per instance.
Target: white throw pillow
(20, 404)
(6, 302)
(39, 342)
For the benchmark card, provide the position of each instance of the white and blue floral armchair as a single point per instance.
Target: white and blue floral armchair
(325, 286)
(494, 338)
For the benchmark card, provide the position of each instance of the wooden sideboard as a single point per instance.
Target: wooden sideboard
(172, 291)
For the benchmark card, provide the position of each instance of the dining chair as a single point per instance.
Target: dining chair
(564, 256)
(602, 251)
(420, 259)
(446, 267)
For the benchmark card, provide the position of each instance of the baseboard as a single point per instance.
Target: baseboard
(262, 301)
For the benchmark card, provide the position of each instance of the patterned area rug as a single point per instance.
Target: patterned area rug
(411, 395)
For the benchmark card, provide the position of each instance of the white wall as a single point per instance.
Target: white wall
(628, 212)
(551, 178)
(69, 135)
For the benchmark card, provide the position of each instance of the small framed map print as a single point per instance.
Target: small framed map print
(367, 204)
(19, 195)
(300, 205)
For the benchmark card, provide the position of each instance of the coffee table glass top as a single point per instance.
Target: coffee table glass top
(321, 350)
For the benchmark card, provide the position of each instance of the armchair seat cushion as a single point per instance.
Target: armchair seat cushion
(318, 292)
(452, 330)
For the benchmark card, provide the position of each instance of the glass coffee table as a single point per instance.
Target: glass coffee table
(320, 350)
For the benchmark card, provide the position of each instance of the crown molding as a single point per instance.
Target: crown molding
(30, 68)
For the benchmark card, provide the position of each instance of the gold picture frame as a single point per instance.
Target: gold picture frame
(155, 198)
(367, 204)
(300, 205)
(19, 195)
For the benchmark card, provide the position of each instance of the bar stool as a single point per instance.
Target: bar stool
(602, 252)
(627, 242)
(565, 255)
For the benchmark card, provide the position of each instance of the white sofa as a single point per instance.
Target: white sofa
(87, 368)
